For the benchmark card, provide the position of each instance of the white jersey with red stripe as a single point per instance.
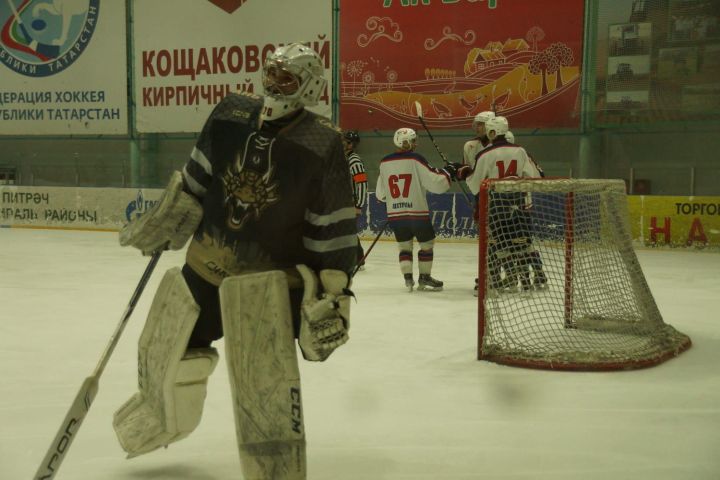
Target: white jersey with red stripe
(472, 148)
(403, 183)
(501, 160)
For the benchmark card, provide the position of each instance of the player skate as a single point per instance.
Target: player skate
(504, 285)
(536, 267)
(540, 280)
(426, 282)
(409, 282)
(525, 282)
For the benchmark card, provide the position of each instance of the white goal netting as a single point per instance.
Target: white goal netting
(560, 285)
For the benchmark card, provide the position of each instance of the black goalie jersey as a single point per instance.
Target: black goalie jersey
(272, 197)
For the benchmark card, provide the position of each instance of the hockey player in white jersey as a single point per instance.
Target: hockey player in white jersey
(501, 160)
(480, 142)
(403, 182)
(508, 226)
(266, 197)
(473, 147)
(534, 259)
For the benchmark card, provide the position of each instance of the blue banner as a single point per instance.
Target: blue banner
(450, 213)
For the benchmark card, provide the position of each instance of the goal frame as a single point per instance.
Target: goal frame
(568, 248)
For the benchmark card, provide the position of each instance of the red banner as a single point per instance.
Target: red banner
(457, 58)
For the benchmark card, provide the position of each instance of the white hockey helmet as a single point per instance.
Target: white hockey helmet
(293, 77)
(499, 125)
(405, 138)
(509, 137)
(482, 117)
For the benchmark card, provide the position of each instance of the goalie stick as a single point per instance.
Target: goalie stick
(419, 110)
(85, 396)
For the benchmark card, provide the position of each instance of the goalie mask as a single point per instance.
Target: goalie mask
(292, 79)
(405, 139)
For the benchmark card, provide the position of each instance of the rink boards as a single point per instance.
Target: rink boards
(654, 220)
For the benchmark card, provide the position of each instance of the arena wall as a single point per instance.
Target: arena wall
(673, 221)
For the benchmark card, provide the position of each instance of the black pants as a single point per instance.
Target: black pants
(422, 231)
(209, 323)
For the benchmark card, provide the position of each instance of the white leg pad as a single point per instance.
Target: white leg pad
(264, 375)
(172, 382)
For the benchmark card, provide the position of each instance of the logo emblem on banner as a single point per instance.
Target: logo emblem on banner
(228, 5)
(39, 38)
(138, 207)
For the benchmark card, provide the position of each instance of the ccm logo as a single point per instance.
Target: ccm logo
(60, 449)
(296, 410)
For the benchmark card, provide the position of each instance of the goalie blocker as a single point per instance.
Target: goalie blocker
(171, 222)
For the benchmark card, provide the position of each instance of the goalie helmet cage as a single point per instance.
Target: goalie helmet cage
(560, 286)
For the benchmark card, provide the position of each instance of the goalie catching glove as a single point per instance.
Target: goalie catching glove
(169, 223)
(325, 316)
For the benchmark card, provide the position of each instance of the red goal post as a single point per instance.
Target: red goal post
(559, 284)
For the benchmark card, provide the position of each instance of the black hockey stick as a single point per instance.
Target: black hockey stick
(377, 237)
(463, 187)
(85, 396)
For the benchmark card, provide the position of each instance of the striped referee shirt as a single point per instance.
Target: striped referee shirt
(359, 178)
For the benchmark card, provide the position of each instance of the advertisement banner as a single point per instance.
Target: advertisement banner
(73, 208)
(450, 214)
(654, 220)
(517, 57)
(188, 54)
(675, 221)
(63, 68)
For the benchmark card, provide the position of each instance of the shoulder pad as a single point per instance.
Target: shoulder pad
(249, 94)
(328, 124)
(238, 107)
(315, 133)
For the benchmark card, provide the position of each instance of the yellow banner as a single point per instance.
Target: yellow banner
(675, 221)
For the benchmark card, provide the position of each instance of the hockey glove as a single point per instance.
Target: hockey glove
(458, 171)
(170, 223)
(451, 169)
(325, 316)
(463, 172)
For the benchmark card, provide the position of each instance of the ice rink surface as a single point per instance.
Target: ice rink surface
(405, 399)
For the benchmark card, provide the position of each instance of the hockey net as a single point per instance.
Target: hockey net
(560, 286)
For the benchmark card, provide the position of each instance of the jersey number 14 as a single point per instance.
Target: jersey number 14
(511, 171)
